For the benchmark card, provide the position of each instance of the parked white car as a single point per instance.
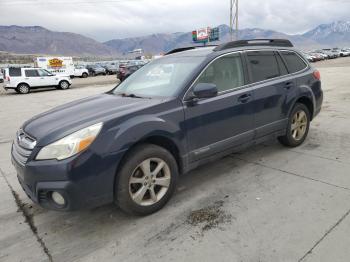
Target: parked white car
(24, 79)
(81, 71)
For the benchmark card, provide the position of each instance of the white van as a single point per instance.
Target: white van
(24, 79)
(62, 66)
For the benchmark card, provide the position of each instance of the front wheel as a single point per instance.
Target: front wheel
(146, 180)
(63, 85)
(298, 126)
(84, 75)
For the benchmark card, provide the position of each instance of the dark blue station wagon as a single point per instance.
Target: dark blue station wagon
(192, 106)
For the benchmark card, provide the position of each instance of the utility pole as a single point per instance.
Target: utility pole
(234, 18)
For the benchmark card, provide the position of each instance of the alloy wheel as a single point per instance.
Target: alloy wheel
(23, 89)
(149, 181)
(299, 125)
(64, 85)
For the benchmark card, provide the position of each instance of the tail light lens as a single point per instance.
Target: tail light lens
(8, 78)
(317, 75)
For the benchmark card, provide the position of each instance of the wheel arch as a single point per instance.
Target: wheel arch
(308, 103)
(159, 140)
(23, 83)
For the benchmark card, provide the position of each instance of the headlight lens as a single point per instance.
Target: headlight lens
(71, 144)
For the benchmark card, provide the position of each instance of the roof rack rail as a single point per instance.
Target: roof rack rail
(182, 49)
(255, 42)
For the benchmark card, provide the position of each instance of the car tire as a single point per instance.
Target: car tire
(23, 88)
(84, 75)
(298, 126)
(140, 191)
(63, 85)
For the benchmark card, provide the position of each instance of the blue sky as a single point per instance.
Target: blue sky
(108, 19)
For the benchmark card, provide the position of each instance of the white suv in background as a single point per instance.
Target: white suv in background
(80, 71)
(24, 79)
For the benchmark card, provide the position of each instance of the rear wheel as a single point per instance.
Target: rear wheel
(63, 85)
(298, 126)
(23, 89)
(147, 180)
(84, 75)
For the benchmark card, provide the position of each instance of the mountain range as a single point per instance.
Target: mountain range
(39, 40)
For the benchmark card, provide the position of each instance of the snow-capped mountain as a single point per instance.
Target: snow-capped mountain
(335, 33)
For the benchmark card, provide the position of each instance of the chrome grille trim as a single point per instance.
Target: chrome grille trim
(25, 141)
(22, 147)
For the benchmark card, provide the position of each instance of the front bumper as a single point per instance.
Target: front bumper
(85, 181)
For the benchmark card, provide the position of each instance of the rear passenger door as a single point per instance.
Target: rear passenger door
(32, 77)
(268, 75)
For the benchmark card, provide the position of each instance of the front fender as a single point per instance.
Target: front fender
(140, 128)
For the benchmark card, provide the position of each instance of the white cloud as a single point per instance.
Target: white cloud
(108, 19)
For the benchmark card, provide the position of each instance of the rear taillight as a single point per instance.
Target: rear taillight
(8, 78)
(317, 75)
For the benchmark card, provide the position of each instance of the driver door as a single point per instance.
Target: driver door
(226, 120)
(46, 78)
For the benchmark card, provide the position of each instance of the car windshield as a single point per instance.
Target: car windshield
(162, 77)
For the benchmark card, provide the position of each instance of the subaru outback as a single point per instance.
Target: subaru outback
(194, 105)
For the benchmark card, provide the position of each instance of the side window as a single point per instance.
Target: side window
(15, 71)
(294, 62)
(225, 72)
(263, 65)
(31, 73)
(281, 65)
(43, 72)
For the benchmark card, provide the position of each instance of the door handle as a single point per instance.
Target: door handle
(288, 85)
(244, 98)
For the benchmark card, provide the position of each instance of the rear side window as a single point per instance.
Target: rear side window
(263, 65)
(31, 73)
(15, 72)
(294, 62)
(226, 73)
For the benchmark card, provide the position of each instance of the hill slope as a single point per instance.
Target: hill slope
(39, 40)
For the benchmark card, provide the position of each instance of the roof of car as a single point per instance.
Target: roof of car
(277, 44)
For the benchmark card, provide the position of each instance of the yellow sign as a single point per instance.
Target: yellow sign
(55, 62)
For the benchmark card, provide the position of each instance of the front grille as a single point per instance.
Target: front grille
(22, 147)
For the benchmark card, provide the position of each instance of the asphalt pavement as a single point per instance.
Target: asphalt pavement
(267, 203)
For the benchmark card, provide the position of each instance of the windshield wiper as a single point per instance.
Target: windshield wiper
(131, 95)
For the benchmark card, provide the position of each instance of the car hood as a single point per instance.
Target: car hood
(68, 118)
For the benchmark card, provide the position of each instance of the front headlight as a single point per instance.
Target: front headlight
(71, 144)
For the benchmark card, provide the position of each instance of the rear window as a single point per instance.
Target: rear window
(294, 62)
(263, 65)
(15, 72)
(31, 72)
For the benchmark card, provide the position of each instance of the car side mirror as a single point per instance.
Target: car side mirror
(202, 90)
(205, 90)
